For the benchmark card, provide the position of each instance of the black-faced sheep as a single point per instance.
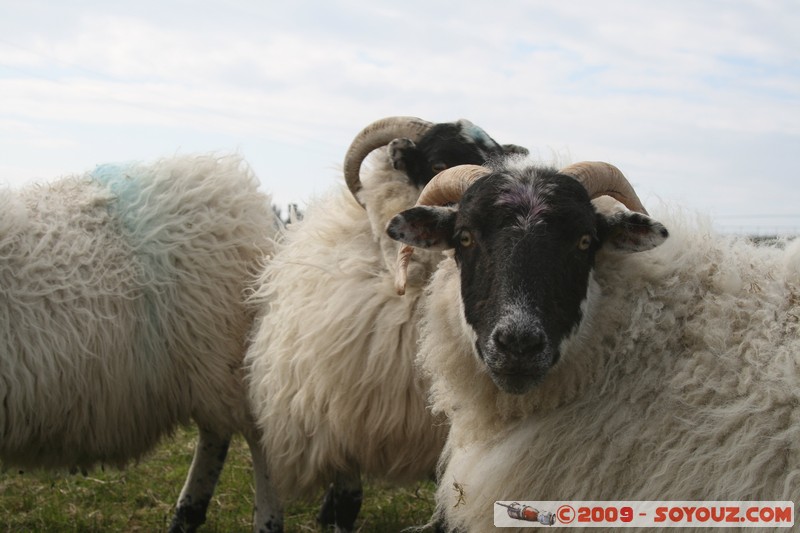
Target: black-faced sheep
(122, 315)
(573, 369)
(332, 381)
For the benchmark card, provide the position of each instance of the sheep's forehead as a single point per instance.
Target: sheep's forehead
(529, 200)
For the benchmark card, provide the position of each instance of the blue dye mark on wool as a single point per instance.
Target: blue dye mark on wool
(126, 181)
(477, 135)
(122, 179)
(132, 186)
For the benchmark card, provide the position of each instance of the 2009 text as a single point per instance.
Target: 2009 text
(645, 514)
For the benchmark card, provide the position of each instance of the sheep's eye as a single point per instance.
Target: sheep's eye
(585, 242)
(438, 167)
(465, 238)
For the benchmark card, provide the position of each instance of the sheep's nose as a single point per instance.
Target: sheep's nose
(518, 340)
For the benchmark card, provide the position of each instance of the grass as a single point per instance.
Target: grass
(141, 498)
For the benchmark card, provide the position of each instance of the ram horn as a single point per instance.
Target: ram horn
(604, 179)
(379, 133)
(446, 187)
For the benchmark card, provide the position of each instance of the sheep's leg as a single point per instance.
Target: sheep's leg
(209, 457)
(268, 513)
(342, 502)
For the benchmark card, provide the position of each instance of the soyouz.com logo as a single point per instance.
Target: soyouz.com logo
(644, 514)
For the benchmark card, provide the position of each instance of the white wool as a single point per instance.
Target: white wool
(331, 365)
(791, 262)
(122, 308)
(680, 384)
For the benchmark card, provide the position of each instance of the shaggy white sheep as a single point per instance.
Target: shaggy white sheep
(331, 364)
(122, 315)
(332, 381)
(678, 381)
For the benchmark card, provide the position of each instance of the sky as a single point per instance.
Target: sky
(698, 102)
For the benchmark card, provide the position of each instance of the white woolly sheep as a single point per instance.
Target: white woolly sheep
(571, 369)
(122, 315)
(331, 373)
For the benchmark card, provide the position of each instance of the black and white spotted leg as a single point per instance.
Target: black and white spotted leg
(268, 511)
(209, 457)
(342, 503)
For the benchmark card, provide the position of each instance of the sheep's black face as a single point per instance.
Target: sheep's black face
(443, 146)
(525, 241)
(525, 248)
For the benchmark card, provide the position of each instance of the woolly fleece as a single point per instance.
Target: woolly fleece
(122, 307)
(331, 365)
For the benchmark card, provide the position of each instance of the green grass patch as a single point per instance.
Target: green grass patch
(142, 497)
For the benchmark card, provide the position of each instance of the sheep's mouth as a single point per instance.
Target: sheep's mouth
(518, 380)
(517, 375)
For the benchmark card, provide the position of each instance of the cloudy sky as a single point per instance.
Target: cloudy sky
(698, 102)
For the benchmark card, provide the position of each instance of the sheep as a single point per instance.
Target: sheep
(122, 315)
(602, 357)
(330, 366)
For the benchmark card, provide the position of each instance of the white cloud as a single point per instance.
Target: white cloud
(668, 89)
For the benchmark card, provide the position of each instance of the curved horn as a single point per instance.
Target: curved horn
(601, 179)
(379, 133)
(446, 187)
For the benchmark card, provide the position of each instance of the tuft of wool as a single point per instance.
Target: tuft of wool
(681, 383)
(122, 307)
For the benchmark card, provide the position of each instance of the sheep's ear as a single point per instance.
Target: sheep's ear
(400, 152)
(627, 231)
(424, 227)
(513, 149)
